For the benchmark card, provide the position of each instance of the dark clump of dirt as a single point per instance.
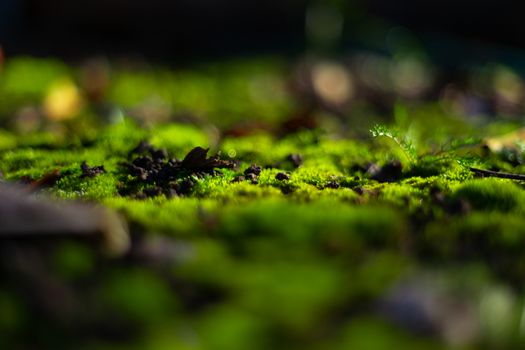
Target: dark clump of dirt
(282, 176)
(332, 184)
(88, 171)
(390, 172)
(157, 173)
(253, 169)
(252, 173)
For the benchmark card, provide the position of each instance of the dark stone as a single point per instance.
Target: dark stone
(88, 171)
(253, 169)
(332, 184)
(185, 186)
(282, 176)
(159, 154)
(254, 179)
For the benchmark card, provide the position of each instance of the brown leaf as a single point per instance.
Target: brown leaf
(195, 159)
(47, 180)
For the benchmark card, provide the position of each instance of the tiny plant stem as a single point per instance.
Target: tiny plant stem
(403, 148)
(497, 174)
(405, 145)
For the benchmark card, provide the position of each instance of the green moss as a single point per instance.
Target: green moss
(303, 262)
(74, 261)
(98, 188)
(7, 140)
(300, 292)
(178, 139)
(179, 217)
(137, 295)
(493, 194)
(120, 138)
(324, 220)
(230, 328)
(494, 231)
(375, 334)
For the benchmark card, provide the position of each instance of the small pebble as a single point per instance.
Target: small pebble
(253, 169)
(282, 176)
(252, 177)
(88, 171)
(332, 184)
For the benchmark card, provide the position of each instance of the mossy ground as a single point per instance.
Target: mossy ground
(281, 264)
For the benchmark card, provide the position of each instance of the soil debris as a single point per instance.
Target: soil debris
(196, 161)
(282, 176)
(254, 179)
(184, 187)
(164, 175)
(88, 171)
(332, 184)
(252, 173)
(253, 169)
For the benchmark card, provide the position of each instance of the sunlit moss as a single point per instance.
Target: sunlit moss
(491, 194)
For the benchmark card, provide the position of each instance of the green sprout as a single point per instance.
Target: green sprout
(405, 144)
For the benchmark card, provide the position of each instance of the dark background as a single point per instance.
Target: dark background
(189, 29)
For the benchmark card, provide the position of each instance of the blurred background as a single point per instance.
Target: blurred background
(294, 59)
(190, 30)
(273, 65)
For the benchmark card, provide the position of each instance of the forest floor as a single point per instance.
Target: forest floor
(314, 232)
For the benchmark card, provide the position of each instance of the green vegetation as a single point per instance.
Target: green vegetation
(319, 260)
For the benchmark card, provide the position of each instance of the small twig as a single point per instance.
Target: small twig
(491, 173)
